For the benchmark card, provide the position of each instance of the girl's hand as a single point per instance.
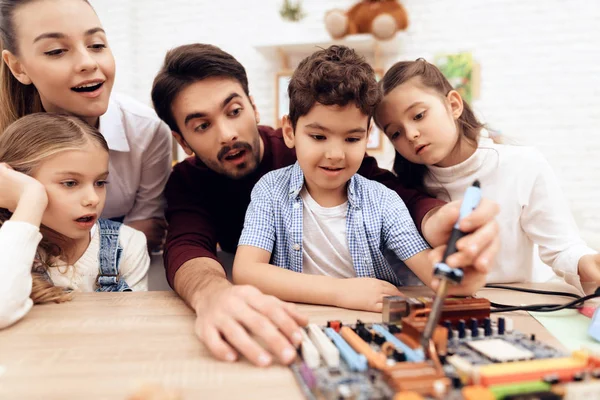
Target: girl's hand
(473, 279)
(22, 195)
(14, 186)
(364, 293)
(589, 269)
(479, 247)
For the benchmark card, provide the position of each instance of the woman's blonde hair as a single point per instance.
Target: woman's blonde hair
(16, 99)
(24, 146)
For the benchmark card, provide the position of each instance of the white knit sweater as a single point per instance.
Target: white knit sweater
(18, 245)
(533, 211)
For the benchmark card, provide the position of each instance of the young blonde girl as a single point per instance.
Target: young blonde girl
(442, 148)
(53, 171)
(56, 58)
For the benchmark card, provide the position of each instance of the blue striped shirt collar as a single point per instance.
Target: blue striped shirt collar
(297, 181)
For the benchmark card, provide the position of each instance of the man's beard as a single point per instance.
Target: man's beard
(241, 170)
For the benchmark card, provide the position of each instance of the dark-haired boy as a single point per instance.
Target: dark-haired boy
(317, 220)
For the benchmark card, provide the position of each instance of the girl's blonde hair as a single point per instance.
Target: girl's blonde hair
(16, 99)
(469, 127)
(24, 146)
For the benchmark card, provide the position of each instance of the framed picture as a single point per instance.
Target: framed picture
(462, 72)
(375, 140)
(282, 100)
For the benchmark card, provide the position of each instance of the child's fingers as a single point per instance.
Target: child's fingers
(377, 307)
(435, 255)
(589, 268)
(473, 246)
(486, 259)
(389, 289)
(215, 343)
(485, 212)
(438, 227)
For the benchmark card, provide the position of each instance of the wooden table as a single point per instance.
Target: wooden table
(105, 345)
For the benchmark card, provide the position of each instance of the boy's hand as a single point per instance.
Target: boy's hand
(479, 247)
(589, 269)
(364, 293)
(228, 318)
(473, 279)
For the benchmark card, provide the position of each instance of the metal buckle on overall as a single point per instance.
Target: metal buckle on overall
(116, 276)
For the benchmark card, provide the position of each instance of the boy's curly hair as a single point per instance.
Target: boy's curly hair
(333, 76)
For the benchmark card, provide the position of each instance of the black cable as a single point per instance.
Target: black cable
(547, 307)
(536, 291)
(534, 307)
(541, 307)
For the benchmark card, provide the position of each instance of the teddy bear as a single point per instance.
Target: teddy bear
(382, 18)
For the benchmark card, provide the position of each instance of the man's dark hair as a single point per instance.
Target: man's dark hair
(187, 64)
(333, 76)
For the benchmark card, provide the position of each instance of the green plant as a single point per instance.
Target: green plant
(291, 10)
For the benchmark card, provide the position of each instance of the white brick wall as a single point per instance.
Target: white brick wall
(539, 61)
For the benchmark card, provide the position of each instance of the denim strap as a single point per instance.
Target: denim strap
(109, 258)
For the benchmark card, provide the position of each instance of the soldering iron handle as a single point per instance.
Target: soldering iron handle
(454, 237)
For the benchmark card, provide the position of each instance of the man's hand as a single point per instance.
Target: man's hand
(364, 293)
(228, 318)
(480, 247)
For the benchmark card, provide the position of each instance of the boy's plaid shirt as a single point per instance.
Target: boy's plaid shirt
(377, 219)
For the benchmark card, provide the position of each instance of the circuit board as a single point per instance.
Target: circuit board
(475, 359)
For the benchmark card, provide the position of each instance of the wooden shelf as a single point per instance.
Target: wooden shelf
(364, 44)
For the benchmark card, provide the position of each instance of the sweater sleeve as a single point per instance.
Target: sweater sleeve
(192, 231)
(18, 244)
(136, 261)
(547, 220)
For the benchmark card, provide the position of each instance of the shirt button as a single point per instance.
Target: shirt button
(296, 246)
(296, 205)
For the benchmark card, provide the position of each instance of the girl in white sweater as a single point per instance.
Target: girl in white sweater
(442, 148)
(53, 171)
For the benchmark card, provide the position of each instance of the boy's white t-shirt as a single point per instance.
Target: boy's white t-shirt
(324, 239)
(533, 210)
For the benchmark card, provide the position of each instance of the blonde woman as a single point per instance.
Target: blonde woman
(53, 176)
(56, 58)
